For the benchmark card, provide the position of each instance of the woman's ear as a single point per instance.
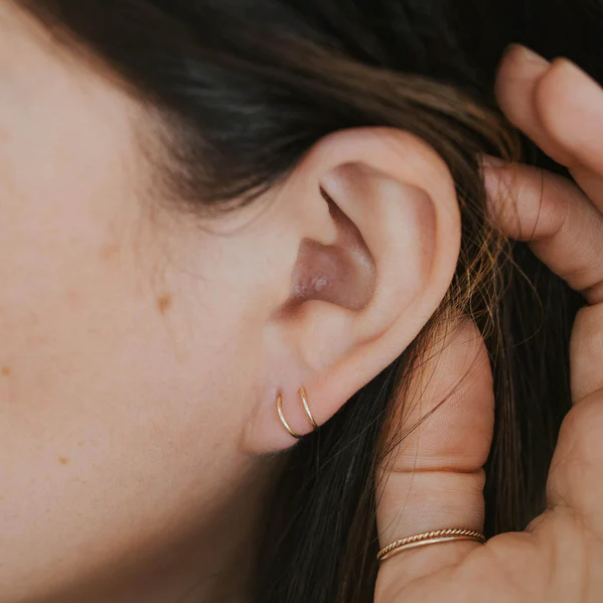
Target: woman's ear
(375, 257)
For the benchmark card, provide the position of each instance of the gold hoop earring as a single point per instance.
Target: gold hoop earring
(304, 398)
(281, 415)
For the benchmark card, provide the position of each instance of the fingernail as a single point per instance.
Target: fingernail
(527, 54)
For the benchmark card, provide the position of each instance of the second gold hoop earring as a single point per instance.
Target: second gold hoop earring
(281, 415)
(304, 398)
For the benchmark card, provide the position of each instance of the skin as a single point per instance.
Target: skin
(143, 348)
(437, 478)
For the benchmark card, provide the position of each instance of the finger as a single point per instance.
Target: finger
(575, 485)
(562, 226)
(586, 354)
(434, 478)
(518, 77)
(560, 108)
(570, 105)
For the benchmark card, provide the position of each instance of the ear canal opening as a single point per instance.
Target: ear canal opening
(342, 273)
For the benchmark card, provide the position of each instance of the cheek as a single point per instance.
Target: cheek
(100, 333)
(123, 380)
(124, 375)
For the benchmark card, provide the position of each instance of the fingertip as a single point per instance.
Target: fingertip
(570, 105)
(498, 177)
(518, 60)
(520, 78)
(519, 52)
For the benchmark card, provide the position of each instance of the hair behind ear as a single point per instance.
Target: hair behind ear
(321, 540)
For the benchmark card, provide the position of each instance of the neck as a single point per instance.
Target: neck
(226, 552)
(211, 559)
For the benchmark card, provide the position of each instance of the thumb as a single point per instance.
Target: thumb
(433, 479)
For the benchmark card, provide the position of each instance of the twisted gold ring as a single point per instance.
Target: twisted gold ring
(427, 538)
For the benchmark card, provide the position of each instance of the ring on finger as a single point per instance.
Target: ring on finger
(428, 538)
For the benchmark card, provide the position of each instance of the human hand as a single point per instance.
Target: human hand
(434, 478)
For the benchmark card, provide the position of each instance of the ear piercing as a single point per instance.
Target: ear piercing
(304, 400)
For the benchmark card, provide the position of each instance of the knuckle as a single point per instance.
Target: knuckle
(587, 336)
(582, 432)
(589, 318)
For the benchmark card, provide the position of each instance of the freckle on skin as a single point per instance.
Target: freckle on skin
(73, 298)
(108, 252)
(63, 460)
(164, 303)
(6, 371)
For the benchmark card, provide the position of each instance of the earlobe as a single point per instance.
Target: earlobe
(359, 300)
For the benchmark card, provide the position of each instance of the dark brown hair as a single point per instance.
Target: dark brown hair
(246, 88)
